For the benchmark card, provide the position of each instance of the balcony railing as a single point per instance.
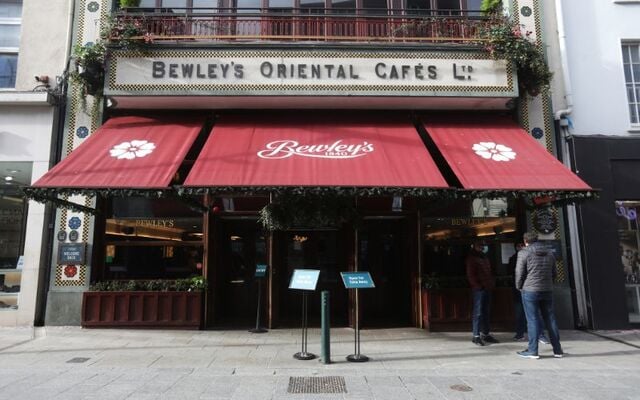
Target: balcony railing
(319, 25)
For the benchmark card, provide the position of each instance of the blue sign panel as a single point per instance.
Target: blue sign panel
(71, 253)
(261, 270)
(305, 279)
(357, 280)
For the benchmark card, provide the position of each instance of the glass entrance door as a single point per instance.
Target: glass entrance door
(384, 252)
(242, 245)
(322, 250)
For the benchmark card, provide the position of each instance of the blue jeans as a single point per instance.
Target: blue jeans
(481, 311)
(537, 305)
(521, 319)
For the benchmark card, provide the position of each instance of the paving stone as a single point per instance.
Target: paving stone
(406, 363)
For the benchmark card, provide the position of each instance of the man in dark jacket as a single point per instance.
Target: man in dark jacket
(535, 272)
(482, 282)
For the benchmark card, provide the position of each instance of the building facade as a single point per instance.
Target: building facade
(30, 60)
(331, 136)
(599, 121)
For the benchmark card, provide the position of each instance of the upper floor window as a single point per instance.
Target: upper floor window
(10, 19)
(631, 62)
(444, 7)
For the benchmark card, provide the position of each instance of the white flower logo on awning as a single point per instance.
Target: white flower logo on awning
(493, 151)
(132, 149)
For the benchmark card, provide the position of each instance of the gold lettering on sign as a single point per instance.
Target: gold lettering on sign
(467, 221)
(165, 223)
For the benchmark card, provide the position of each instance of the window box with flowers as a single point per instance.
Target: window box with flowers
(144, 304)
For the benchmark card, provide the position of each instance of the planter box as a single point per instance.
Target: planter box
(142, 310)
(452, 309)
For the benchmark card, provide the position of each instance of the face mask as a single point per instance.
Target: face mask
(485, 249)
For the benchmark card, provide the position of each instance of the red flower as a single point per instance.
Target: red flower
(70, 271)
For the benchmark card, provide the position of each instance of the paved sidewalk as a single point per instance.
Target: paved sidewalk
(405, 364)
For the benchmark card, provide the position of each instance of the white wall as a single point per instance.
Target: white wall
(594, 31)
(26, 126)
(25, 135)
(44, 41)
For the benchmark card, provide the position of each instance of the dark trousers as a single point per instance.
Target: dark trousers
(481, 311)
(536, 305)
(521, 319)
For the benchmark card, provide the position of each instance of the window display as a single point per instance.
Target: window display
(12, 217)
(152, 239)
(629, 240)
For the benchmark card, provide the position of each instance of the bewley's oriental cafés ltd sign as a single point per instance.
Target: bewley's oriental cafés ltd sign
(249, 73)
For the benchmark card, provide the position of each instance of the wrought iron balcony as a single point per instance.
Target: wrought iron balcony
(296, 25)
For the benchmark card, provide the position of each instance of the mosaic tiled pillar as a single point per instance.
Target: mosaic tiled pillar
(83, 116)
(536, 112)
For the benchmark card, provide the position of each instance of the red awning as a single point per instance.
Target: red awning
(492, 152)
(126, 152)
(263, 151)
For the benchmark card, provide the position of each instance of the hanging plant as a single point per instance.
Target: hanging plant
(309, 211)
(90, 71)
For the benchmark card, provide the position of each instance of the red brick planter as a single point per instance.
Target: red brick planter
(450, 309)
(142, 310)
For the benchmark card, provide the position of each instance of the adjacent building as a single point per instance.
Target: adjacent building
(598, 114)
(32, 55)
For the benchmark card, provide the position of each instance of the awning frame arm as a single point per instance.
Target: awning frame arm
(58, 202)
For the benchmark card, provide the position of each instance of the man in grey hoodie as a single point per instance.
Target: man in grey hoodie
(535, 272)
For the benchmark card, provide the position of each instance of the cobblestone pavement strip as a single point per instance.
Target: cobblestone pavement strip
(405, 363)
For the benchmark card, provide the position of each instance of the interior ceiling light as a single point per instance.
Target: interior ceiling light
(8, 178)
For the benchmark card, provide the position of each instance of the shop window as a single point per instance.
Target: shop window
(13, 216)
(10, 21)
(629, 245)
(449, 231)
(631, 64)
(152, 239)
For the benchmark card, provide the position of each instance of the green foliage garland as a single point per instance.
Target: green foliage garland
(309, 211)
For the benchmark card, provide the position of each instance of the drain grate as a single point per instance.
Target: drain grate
(78, 360)
(316, 384)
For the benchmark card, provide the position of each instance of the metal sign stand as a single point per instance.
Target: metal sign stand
(304, 354)
(357, 357)
(258, 329)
